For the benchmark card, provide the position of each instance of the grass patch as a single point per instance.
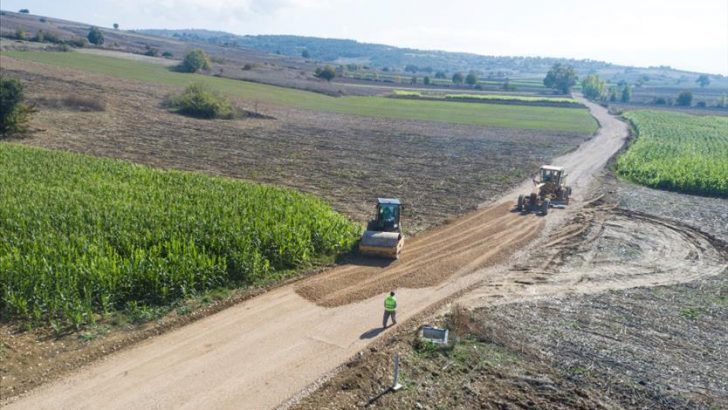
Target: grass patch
(691, 313)
(516, 98)
(508, 116)
(82, 236)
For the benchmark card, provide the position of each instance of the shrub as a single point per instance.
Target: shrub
(327, 73)
(151, 52)
(194, 61)
(95, 36)
(200, 102)
(14, 113)
(701, 104)
(167, 54)
(685, 99)
(77, 42)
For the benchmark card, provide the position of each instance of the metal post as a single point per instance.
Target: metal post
(395, 385)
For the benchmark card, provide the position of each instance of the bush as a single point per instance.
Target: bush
(685, 99)
(95, 36)
(327, 73)
(151, 52)
(77, 42)
(701, 104)
(194, 61)
(14, 113)
(167, 54)
(200, 102)
(247, 67)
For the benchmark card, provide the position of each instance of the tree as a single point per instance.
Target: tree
(14, 114)
(95, 36)
(24, 11)
(327, 73)
(703, 80)
(116, 26)
(20, 34)
(722, 101)
(457, 78)
(561, 77)
(413, 80)
(441, 75)
(426, 81)
(194, 61)
(593, 87)
(613, 94)
(685, 99)
(471, 78)
(626, 93)
(305, 53)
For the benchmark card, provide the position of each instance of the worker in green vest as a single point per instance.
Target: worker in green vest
(390, 310)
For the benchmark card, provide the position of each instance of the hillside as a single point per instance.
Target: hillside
(395, 58)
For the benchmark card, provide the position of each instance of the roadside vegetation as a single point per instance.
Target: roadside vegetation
(678, 152)
(81, 237)
(499, 115)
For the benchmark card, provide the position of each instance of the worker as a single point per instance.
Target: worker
(390, 309)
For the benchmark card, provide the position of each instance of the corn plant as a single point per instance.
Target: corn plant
(83, 236)
(678, 152)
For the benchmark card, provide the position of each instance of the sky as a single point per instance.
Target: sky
(691, 35)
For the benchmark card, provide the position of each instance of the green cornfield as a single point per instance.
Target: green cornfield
(83, 236)
(678, 152)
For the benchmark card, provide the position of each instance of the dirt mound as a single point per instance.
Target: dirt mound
(472, 242)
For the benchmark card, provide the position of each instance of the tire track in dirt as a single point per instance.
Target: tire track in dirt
(475, 241)
(607, 248)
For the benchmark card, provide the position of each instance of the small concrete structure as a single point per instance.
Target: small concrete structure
(434, 334)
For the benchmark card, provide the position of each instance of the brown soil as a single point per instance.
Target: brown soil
(474, 241)
(591, 318)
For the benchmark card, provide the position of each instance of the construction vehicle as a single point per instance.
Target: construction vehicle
(383, 236)
(551, 191)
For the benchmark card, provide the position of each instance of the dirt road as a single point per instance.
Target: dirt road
(261, 352)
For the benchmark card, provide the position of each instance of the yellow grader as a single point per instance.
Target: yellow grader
(551, 191)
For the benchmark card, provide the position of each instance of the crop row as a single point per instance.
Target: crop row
(678, 152)
(81, 236)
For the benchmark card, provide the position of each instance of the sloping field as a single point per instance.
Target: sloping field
(678, 152)
(81, 236)
(544, 118)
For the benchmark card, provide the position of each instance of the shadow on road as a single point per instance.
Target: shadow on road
(372, 333)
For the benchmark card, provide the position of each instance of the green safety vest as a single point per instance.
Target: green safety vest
(390, 304)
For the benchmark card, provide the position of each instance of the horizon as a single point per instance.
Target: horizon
(699, 45)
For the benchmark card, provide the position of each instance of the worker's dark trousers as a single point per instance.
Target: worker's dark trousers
(387, 315)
